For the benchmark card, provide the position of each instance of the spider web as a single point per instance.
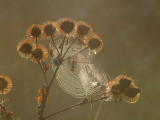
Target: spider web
(85, 79)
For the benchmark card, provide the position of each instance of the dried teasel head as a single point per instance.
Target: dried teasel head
(49, 29)
(39, 53)
(67, 26)
(94, 43)
(83, 29)
(24, 48)
(34, 31)
(5, 84)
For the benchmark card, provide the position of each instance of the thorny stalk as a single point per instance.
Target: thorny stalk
(85, 101)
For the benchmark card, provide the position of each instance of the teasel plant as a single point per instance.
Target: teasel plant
(71, 48)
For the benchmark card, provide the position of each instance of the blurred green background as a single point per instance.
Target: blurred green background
(130, 30)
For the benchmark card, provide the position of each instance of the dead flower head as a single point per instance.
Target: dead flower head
(34, 31)
(25, 47)
(94, 43)
(5, 84)
(39, 53)
(83, 29)
(49, 28)
(66, 26)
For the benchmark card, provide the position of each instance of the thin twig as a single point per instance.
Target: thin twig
(43, 72)
(70, 46)
(73, 106)
(53, 76)
(63, 43)
(54, 44)
(76, 53)
(65, 109)
(36, 41)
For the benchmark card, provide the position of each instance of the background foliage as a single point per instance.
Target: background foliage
(130, 31)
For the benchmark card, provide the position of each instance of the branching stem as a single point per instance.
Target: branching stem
(45, 95)
(41, 116)
(70, 46)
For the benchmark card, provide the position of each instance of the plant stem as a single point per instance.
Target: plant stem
(73, 106)
(43, 72)
(65, 109)
(70, 46)
(36, 41)
(45, 95)
(53, 77)
(54, 44)
(63, 44)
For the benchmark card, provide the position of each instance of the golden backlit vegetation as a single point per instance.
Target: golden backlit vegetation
(71, 47)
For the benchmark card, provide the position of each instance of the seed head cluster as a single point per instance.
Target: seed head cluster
(30, 47)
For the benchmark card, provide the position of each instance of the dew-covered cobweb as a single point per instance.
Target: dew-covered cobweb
(78, 76)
